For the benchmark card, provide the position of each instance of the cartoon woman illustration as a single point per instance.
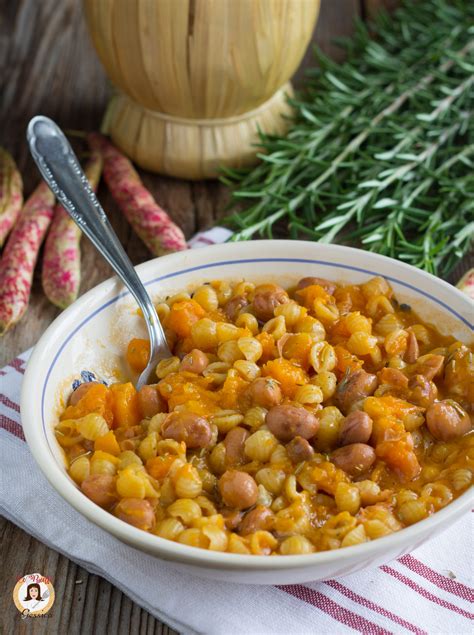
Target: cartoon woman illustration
(33, 599)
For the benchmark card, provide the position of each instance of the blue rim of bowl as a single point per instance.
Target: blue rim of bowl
(224, 263)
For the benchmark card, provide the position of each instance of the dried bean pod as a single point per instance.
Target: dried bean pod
(20, 255)
(148, 219)
(61, 273)
(11, 194)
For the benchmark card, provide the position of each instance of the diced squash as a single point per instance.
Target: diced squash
(138, 354)
(349, 298)
(96, 399)
(313, 292)
(346, 361)
(232, 391)
(190, 390)
(269, 350)
(159, 466)
(287, 374)
(399, 456)
(183, 315)
(107, 443)
(125, 405)
(100, 455)
(402, 411)
(297, 347)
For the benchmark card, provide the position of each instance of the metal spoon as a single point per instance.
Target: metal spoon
(61, 170)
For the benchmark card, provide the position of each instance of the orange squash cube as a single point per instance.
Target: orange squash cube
(138, 354)
(125, 405)
(108, 443)
(183, 315)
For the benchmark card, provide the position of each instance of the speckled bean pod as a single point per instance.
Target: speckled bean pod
(11, 194)
(150, 222)
(20, 255)
(61, 273)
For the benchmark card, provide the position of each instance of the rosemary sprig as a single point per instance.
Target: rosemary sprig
(381, 149)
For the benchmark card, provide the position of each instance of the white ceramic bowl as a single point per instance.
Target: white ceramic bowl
(92, 335)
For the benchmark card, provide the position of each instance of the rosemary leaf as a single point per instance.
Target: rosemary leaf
(380, 152)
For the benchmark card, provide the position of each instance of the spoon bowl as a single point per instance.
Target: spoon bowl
(61, 170)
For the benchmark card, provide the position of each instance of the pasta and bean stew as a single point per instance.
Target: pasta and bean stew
(286, 422)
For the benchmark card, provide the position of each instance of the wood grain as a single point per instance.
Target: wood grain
(48, 66)
(371, 7)
(336, 19)
(85, 603)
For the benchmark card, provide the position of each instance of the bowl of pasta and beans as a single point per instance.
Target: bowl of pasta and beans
(314, 418)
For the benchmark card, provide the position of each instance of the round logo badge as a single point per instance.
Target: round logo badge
(33, 595)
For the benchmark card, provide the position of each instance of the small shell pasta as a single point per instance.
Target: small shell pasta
(217, 537)
(204, 334)
(272, 479)
(103, 463)
(312, 326)
(309, 394)
(347, 498)
(355, 537)
(275, 327)
(327, 313)
(411, 511)
(162, 310)
(251, 348)
(167, 366)
(227, 332)
(322, 357)
(304, 419)
(193, 537)
(461, 478)
(91, 427)
(206, 296)
(260, 445)
(225, 420)
(262, 543)
(80, 469)
(296, 545)
(387, 324)
(255, 417)
(327, 382)
(247, 321)
(237, 544)
(229, 352)
(357, 323)
(187, 482)
(330, 421)
(263, 496)
(130, 484)
(186, 509)
(169, 528)
(148, 447)
(292, 312)
(247, 370)
(361, 343)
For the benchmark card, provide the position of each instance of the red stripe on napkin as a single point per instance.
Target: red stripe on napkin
(12, 427)
(336, 611)
(441, 581)
(426, 594)
(9, 403)
(359, 599)
(18, 365)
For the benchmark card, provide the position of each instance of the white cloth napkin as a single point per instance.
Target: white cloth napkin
(429, 591)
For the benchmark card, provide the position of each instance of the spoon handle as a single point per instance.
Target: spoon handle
(62, 172)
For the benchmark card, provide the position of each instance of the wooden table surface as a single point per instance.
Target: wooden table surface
(48, 66)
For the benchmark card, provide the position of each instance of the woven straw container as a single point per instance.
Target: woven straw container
(196, 78)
